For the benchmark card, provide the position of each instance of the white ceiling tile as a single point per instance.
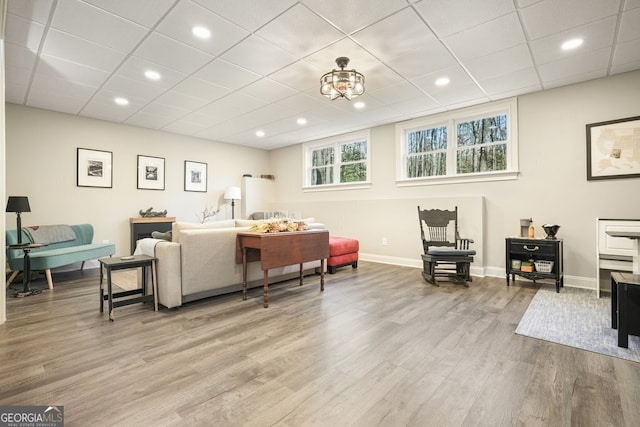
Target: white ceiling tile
(514, 80)
(500, 63)
(81, 51)
(148, 120)
(460, 89)
(44, 87)
(353, 15)
(271, 57)
(325, 59)
(125, 87)
(172, 54)
(22, 32)
(231, 105)
(396, 93)
(225, 74)
(249, 14)
(402, 33)
(268, 90)
(378, 77)
(60, 68)
(553, 16)
(425, 59)
(32, 10)
(134, 68)
(19, 56)
(566, 69)
(299, 32)
(16, 93)
(596, 36)
(422, 104)
(574, 78)
(189, 125)
(98, 26)
(181, 101)
(144, 12)
(631, 4)
(630, 25)
(17, 76)
(198, 88)
(487, 38)
(626, 55)
(300, 75)
(452, 16)
(178, 24)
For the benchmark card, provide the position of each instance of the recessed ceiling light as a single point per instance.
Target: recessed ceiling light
(572, 44)
(302, 121)
(201, 32)
(260, 133)
(442, 81)
(359, 105)
(152, 75)
(121, 101)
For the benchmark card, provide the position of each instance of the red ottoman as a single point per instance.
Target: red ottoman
(342, 251)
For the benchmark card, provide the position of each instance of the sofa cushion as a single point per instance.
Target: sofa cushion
(247, 222)
(163, 236)
(178, 226)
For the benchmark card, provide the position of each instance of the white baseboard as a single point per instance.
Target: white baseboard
(477, 271)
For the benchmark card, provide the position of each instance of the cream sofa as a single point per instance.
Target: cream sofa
(200, 261)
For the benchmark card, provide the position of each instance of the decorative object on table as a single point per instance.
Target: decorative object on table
(543, 266)
(524, 227)
(150, 173)
(527, 266)
(206, 214)
(516, 264)
(195, 176)
(612, 149)
(94, 168)
(18, 204)
(551, 230)
(279, 225)
(168, 235)
(149, 213)
(233, 194)
(531, 233)
(342, 83)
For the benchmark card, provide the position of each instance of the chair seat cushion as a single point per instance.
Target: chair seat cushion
(436, 251)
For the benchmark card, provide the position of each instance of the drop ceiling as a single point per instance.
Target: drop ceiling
(260, 69)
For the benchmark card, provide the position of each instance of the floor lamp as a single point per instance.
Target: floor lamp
(18, 204)
(233, 194)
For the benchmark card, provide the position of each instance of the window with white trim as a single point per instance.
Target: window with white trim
(473, 144)
(338, 161)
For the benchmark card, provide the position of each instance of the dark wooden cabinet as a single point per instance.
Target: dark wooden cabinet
(543, 250)
(143, 227)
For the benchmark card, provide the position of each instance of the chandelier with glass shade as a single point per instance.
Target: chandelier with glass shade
(342, 83)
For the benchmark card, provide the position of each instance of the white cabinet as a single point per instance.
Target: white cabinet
(257, 195)
(613, 253)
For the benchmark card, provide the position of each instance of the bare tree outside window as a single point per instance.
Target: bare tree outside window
(482, 145)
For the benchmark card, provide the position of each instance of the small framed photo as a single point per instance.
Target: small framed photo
(94, 168)
(150, 173)
(613, 149)
(195, 176)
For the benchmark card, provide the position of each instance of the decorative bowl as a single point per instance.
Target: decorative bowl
(551, 230)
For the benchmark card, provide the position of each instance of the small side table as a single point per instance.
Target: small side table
(122, 263)
(26, 268)
(625, 305)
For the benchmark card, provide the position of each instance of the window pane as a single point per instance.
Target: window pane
(354, 151)
(427, 165)
(482, 159)
(427, 140)
(353, 172)
(322, 156)
(320, 176)
(482, 131)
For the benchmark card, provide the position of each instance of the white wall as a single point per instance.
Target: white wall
(41, 164)
(552, 186)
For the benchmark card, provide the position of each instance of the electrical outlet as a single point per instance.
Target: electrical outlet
(105, 241)
(384, 241)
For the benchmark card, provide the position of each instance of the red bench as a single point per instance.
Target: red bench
(342, 251)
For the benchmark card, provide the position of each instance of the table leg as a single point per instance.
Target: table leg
(109, 295)
(623, 323)
(244, 274)
(154, 284)
(265, 288)
(101, 290)
(300, 274)
(614, 304)
(322, 275)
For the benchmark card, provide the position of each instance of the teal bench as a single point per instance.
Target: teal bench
(57, 254)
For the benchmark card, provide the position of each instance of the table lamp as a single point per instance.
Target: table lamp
(233, 194)
(18, 204)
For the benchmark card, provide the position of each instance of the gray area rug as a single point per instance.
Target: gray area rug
(575, 317)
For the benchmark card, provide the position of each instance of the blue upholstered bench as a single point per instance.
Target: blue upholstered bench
(57, 254)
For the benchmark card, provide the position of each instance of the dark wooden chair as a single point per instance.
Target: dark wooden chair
(445, 252)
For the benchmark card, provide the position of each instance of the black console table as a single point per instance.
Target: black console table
(143, 227)
(523, 249)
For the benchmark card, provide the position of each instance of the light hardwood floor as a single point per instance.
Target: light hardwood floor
(378, 347)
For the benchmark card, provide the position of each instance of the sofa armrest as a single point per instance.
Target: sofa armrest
(168, 269)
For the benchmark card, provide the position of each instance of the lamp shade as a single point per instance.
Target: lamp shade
(18, 204)
(233, 193)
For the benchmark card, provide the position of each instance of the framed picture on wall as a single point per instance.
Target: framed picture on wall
(150, 173)
(195, 176)
(94, 168)
(613, 149)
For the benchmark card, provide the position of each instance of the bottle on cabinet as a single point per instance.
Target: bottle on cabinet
(532, 231)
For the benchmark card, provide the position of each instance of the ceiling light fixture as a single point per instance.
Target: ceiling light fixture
(260, 133)
(301, 121)
(121, 101)
(342, 83)
(152, 75)
(572, 44)
(201, 32)
(442, 81)
(359, 105)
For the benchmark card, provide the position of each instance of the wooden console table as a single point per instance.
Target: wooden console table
(279, 250)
